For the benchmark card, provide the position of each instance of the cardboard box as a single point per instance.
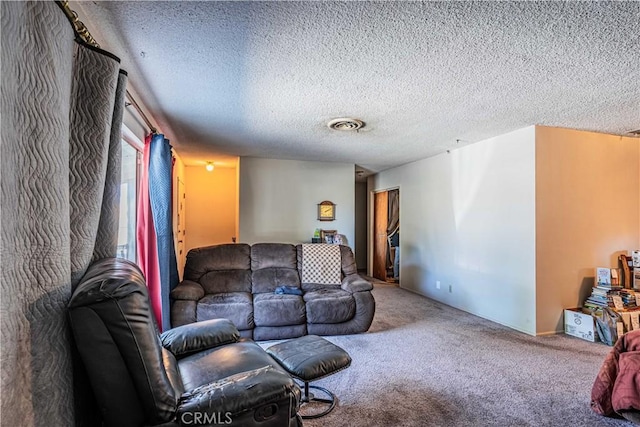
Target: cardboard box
(579, 324)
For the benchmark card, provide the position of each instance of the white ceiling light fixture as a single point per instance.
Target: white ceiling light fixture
(209, 167)
(345, 124)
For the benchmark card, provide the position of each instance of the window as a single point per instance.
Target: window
(129, 180)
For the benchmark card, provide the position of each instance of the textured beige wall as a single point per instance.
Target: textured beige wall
(211, 206)
(587, 212)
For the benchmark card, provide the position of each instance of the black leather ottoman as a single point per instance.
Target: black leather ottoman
(310, 358)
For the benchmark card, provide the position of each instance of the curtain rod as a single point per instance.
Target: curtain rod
(82, 32)
(142, 114)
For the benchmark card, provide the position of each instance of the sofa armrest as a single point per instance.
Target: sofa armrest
(187, 290)
(187, 339)
(355, 283)
(239, 395)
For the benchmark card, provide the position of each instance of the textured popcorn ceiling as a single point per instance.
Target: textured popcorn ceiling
(263, 78)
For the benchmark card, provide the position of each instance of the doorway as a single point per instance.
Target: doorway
(386, 242)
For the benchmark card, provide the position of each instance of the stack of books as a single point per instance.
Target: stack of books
(629, 299)
(601, 297)
(613, 291)
(609, 292)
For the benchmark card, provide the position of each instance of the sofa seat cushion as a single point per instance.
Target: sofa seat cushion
(278, 310)
(221, 362)
(235, 306)
(329, 306)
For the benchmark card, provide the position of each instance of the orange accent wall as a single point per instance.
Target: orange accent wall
(211, 206)
(587, 212)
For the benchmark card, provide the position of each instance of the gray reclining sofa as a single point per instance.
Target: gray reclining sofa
(238, 282)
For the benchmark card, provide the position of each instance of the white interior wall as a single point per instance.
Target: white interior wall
(279, 198)
(468, 221)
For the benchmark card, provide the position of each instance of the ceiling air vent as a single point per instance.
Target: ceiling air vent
(634, 132)
(345, 124)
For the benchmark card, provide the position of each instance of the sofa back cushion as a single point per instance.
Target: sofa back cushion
(348, 261)
(273, 265)
(215, 282)
(281, 255)
(220, 268)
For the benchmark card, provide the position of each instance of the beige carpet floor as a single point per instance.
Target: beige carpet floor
(423, 363)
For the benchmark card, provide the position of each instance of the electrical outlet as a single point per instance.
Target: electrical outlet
(450, 289)
(437, 284)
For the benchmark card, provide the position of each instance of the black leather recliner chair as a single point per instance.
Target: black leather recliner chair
(196, 374)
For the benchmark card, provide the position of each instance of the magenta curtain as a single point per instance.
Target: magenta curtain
(146, 237)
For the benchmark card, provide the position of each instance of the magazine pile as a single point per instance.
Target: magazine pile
(615, 307)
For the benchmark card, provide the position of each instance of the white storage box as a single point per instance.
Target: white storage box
(579, 324)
